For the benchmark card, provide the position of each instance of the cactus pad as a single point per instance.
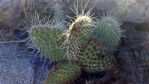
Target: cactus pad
(94, 57)
(48, 41)
(108, 30)
(64, 73)
(77, 34)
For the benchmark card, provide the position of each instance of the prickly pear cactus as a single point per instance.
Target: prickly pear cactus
(64, 73)
(48, 41)
(87, 42)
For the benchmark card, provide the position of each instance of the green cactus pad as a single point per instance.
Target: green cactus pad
(108, 30)
(77, 34)
(48, 42)
(94, 57)
(64, 73)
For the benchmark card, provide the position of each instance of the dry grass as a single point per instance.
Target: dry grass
(12, 15)
(16, 10)
(5, 18)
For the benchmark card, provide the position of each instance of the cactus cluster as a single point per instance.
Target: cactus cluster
(87, 45)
